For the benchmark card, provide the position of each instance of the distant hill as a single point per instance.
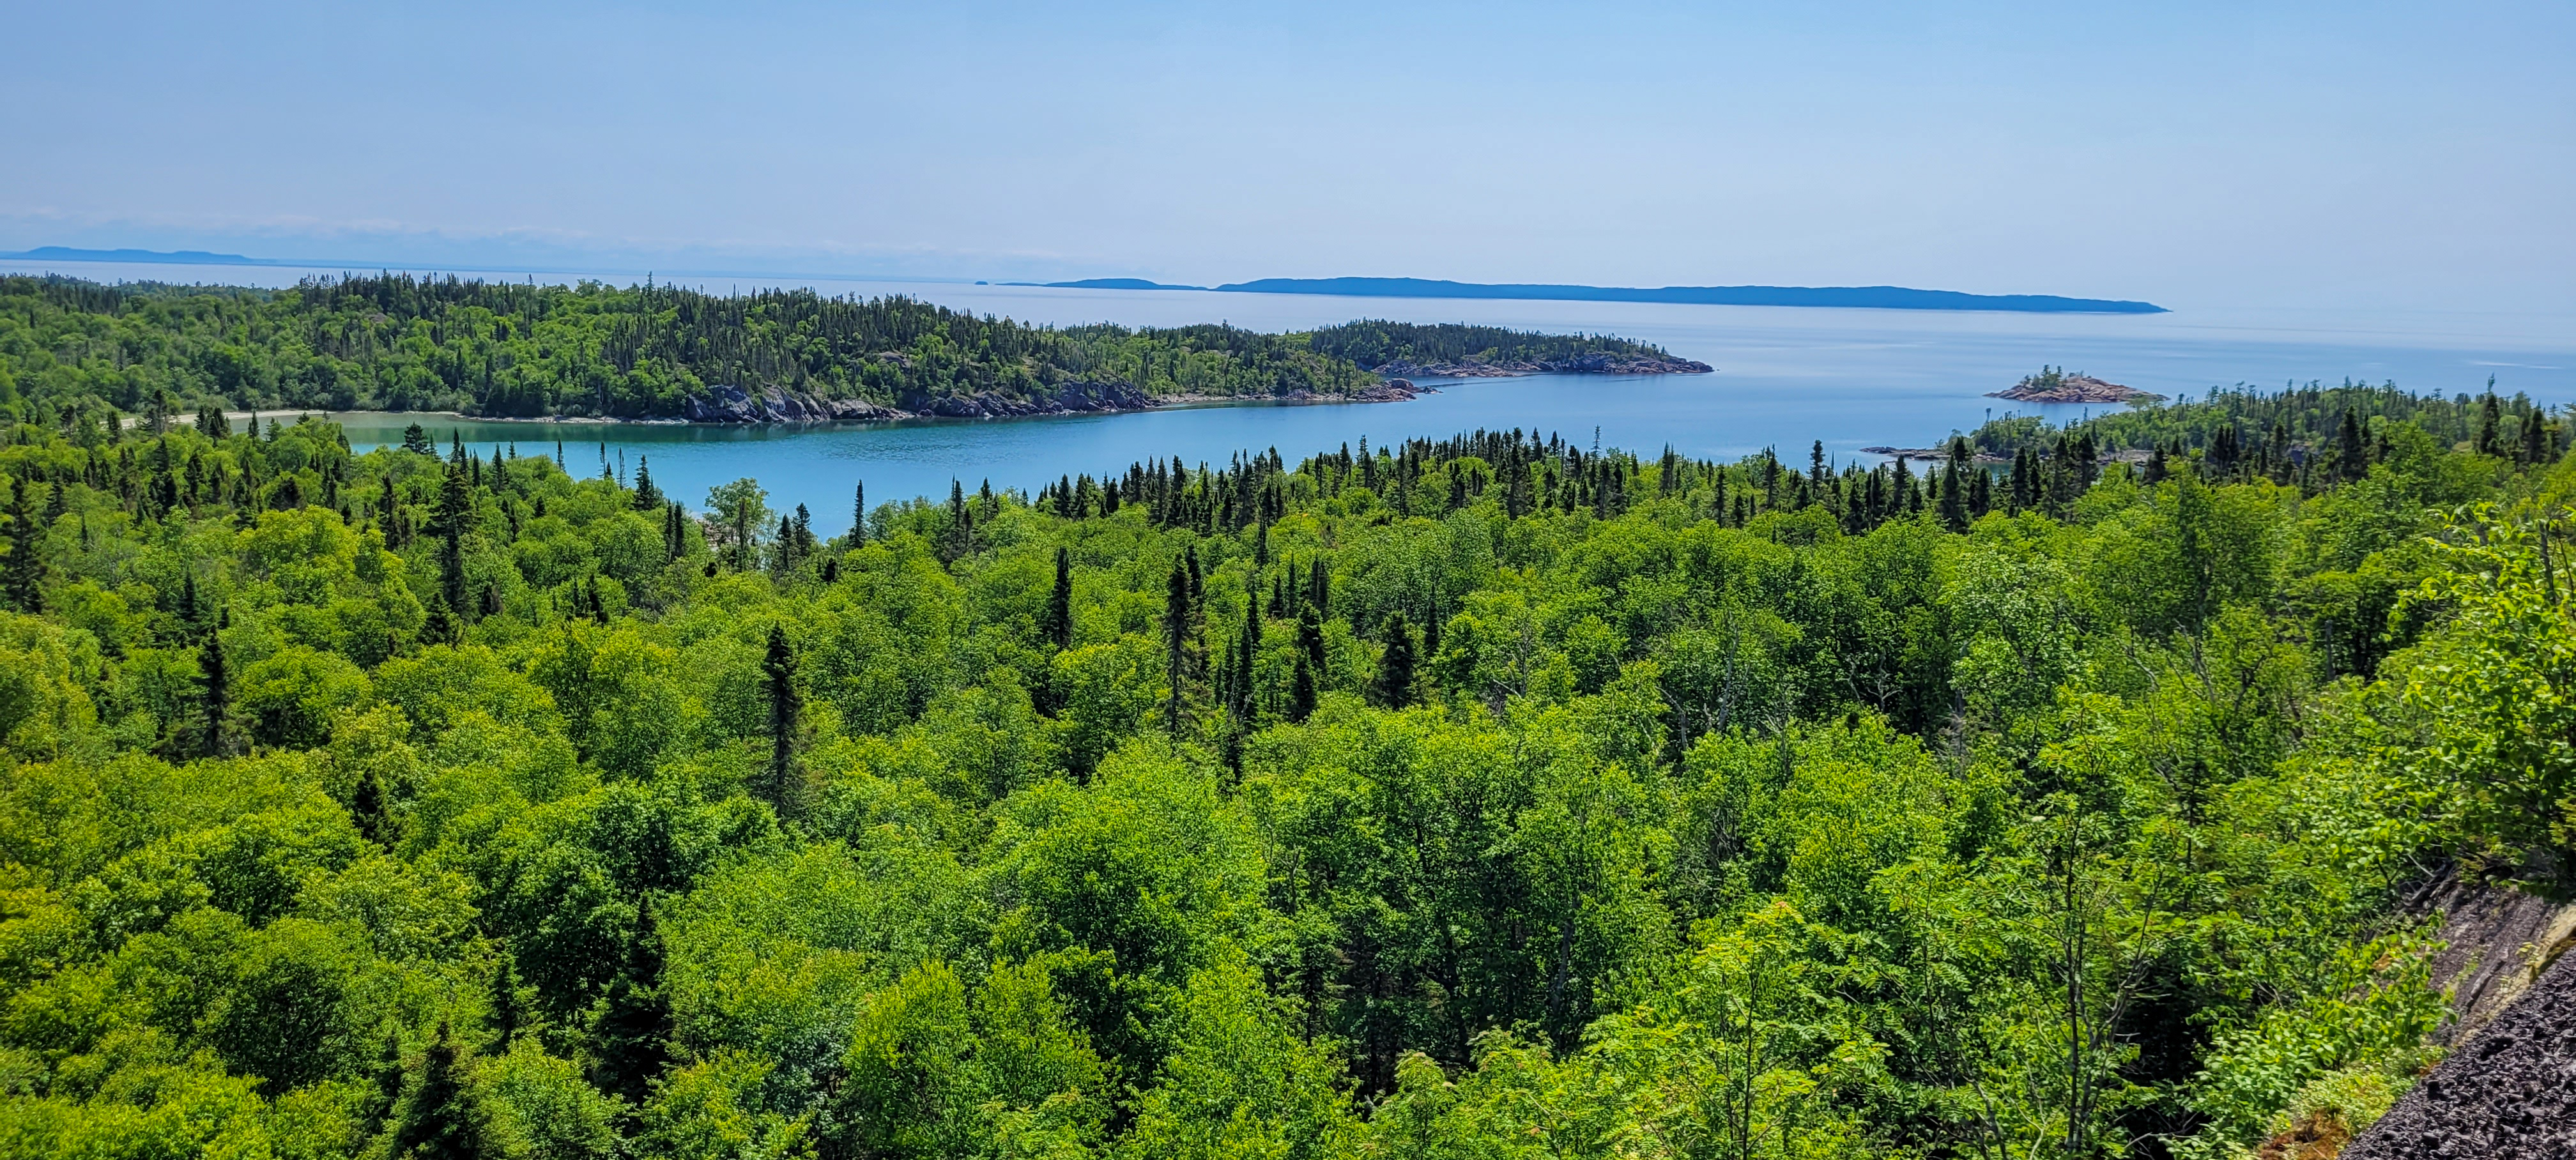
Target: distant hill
(1878, 297)
(162, 257)
(1113, 284)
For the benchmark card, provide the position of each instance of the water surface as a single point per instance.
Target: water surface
(1785, 376)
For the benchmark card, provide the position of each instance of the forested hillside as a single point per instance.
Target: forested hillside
(400, 343)
(1375, 343)
(1482, 798)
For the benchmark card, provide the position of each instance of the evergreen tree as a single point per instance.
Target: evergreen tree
(439, 1120)
(504, 1011)
(215, 697)
(1301, 689)
(455, 513)
(786, 721)
(631, 1041)
(858, 514)
(1394, 686)
(1059, 610)
(1954, 497)
(24, 575)
(646, 497)
(367, 810)
(1178, 659)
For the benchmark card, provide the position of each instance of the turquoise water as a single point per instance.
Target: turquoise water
(1785, 376)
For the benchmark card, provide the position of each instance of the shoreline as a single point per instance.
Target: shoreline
(1394, 391)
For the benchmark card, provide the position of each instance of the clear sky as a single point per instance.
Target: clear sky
(2351, 153)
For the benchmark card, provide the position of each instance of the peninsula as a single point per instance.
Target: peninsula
(661, 353)
(1868, 297)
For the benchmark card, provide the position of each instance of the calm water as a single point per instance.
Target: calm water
(1852, 378)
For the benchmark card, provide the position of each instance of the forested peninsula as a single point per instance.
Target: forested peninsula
(1489, 796)
(400, 343)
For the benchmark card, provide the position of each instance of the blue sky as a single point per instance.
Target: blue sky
(2416, 156)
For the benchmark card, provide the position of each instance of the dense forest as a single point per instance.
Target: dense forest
(1376, 343)
(395, 342)
(1488, 797)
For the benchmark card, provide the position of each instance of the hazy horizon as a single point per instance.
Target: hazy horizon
(2197, 156)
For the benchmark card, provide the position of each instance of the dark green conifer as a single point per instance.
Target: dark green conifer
(22, 574)
(215, 697)
(1393, 688)
(439, 1120)
(631, 1040)
(1059, 609)
(786, 721)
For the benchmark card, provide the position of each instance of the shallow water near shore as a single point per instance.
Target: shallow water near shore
(1785, 377)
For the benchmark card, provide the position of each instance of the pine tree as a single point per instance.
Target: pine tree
(1059, 610)
(786, 720)
(1394, 686)
(631, 1041)
(858, 515)
(439, 1121)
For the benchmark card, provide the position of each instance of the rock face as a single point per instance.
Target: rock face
(2054, 388)
(2507, 1093)
(1586, 364)
(731, 404)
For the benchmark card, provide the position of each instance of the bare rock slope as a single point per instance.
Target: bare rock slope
(2508, 1093)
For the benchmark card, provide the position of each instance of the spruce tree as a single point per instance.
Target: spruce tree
(23, 573)
(215, 696)
(438, 1117)
(858, 514)
(1301, 690)
(1059, 610)
(786, 719)
(1177, 661)
(1954, 498)
(647, 497)
(631, 1041)
(1394, 686)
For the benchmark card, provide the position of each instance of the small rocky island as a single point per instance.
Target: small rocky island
(2054, 385)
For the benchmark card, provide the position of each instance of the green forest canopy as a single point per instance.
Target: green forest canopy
(395, 342)
(1481, 797)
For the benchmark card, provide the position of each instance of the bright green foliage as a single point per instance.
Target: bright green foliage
(1482, 798)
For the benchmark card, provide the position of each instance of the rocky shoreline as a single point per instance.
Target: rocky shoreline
(1587, 364)
(2072, 389)
(729, 404)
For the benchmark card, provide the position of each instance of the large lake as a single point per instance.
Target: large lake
(1785, 376)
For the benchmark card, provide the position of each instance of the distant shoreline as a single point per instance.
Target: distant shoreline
(1847, 297)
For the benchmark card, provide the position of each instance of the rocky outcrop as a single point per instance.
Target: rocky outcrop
(1585, 364)
(2055, 388)
(2508, 1093)
(731, 404)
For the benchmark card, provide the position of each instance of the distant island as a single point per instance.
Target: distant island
(153, 257)
(1871, 297)
(1402, 350)
(2054, 385)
